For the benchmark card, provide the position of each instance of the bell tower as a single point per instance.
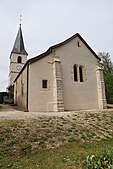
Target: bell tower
(18, 57)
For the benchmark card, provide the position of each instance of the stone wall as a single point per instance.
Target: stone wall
(101, 89)
(57, 86)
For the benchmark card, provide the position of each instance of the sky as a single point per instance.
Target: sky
(48, 22)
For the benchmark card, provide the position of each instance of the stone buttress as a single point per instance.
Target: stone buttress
(101, 89)
(57, 85)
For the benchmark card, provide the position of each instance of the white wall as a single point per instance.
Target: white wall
(78, 95)
(13, 71)
(14, 57)
(41, 99)
(20, 90)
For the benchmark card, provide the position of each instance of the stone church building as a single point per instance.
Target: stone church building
(66, 77)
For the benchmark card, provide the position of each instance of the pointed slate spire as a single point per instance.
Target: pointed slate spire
(19, 43)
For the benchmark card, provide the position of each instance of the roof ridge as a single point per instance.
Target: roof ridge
(36, 58)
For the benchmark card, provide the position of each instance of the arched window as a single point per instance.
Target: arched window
(75, 73)
(19, 59)
(81, 73)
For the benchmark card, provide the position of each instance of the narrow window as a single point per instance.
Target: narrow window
(22, 89)
(44, 84)
(19, 60)
(78, 44)
(75, 73)
(81, 73)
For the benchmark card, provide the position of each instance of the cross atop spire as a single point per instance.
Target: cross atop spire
(20, 19)
(19, 43)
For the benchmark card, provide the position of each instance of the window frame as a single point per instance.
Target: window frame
(44, 85)
(81, 77)
(79, 73)
(19, 59)
(78, 43)
(75, 73)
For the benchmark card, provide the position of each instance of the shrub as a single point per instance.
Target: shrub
(71, 139)
(102, 161)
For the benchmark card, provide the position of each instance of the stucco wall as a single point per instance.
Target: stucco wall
(13, 71)
(78, 95)
(14, 57)
(12, 76)
(40, 99)
(20, 90)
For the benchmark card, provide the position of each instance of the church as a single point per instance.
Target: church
(67, 77)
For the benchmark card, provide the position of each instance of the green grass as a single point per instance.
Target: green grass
(68, 156)
(55, 142)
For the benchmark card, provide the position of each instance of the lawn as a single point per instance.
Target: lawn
(55, 142)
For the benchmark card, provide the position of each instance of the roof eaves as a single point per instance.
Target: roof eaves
(34, 59)
(21, 70)
(23, 52)
(71, 38)
(88, 46)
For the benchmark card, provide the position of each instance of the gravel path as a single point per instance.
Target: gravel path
(11, 113)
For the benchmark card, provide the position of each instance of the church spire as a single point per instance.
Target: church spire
(19, 43)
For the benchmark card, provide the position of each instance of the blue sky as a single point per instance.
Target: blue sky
(47, 22)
